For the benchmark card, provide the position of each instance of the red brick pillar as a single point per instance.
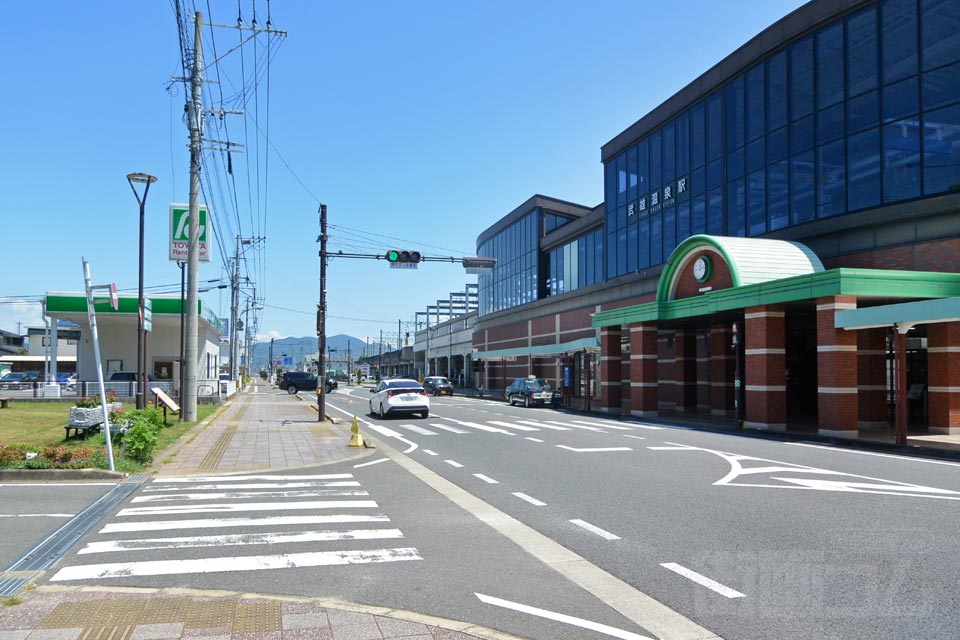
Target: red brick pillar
(723, 364)
(943, 369)
(764, 338)
(643, 370)
(685, 355)
(703, 372)
(667, 371)
(872, 377)
(610, 371)
(836, 370)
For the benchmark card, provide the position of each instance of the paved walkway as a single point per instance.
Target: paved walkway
(259, 430)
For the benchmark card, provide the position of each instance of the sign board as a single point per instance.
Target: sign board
(288, 361)
(403, 265)
(224, 341)
(180, 233)
(147, 315)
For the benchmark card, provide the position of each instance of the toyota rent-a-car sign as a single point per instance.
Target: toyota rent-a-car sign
(180, 232)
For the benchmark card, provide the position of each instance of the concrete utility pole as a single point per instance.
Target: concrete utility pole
(189, 408)
(234, 313)
(322, 320)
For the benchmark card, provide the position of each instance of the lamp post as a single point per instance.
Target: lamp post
(144, 179)
(183, 281)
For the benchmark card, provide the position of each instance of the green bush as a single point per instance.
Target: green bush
(38, 463)
(140, 439)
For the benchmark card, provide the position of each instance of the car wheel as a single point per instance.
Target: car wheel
(436, 394)
(292, 389)
(526, 401)
(382, 414)
(424, 414)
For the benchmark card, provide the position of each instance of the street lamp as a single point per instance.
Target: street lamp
(144, 179)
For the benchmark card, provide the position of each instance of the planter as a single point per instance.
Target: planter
(89, 417)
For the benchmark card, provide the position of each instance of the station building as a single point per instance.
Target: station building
(778, 243)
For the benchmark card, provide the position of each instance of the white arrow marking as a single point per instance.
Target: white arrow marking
(242, 563)
(613, 632)
(594, 450)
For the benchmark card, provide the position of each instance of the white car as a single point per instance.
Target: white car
(399, 396)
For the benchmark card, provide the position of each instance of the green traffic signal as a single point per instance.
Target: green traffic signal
(393, 255)
(403, 256)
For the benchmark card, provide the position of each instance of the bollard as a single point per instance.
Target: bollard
(356, 440)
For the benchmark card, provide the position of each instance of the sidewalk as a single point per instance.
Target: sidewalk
(258, 431)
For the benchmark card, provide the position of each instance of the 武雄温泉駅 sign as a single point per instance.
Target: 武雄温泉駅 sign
(180, 233)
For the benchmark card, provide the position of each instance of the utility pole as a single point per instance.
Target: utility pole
(322, 320)
(350, 365)
(380, 356)
(234, 312)
(189, 408)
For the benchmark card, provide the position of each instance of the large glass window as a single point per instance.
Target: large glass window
(777, 91)
(756, 122)
(801, 78)
(714, 126)
(899, 39)
(941, 150)
(829, 68)
(777, 147)
(863, 112)
(778, 195)
(862, 65)
(698, 135)
(736, 111)
(736, 208)
(802, 134)
(830, 123)
(656, 160)
(942, 86)
(756, 203)
(698, 214)
(669, 230)
(901, 99)
(514, 280)
(656, 239)
(901, 160)
(863, 170)
(683, 145)
(643, 167)
(632, 246)
(831, 183)
(715, 212)
(669, 153)
(632, 174)
(683, 221)
(941, 24)
(621, 179)
(802, 172)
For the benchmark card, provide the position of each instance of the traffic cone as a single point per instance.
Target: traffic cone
(356, 440)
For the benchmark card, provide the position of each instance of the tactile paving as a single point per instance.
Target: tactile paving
(257, 617)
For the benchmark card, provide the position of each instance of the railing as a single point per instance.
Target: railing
(25, 390)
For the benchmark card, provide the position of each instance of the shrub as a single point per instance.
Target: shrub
(38, 463)
(94, 401)
(140, 440)
(63, 454)
(12, 455)
(153, 415)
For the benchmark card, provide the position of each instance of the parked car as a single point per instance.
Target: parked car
(67, 380)
(438, 385)
(19, 380)
(330, 385)
(531, 391)
(128, 376)
(399, 396)
(293, 381)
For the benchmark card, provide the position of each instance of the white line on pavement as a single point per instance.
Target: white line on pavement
(534, 439)
(593, 450)
(613, 632)
(532, 501)
(543, 425)
(575, 426)
(871, 453)
(429, 453)
(244, 563)
(244, 495)
(416, 429)
(191, 479)
(367, 464)
(476, 425)
(256, 506)
(645, 426)
(446, 427)
(486, 479)
(36, 515)
(58, 484)
(605, 425)
(702, 580)
(595, 529)
(454, 463)
(218, 523)
(634, 437)
(513, 425)
(251, 485)
(236, 539)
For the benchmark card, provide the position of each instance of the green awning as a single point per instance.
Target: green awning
(538, 350)
(905, 313)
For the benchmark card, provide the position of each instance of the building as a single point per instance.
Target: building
(771, 228)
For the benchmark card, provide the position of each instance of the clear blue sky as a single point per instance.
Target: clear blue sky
(423, 122)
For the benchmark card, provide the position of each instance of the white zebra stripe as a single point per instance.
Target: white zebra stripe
(250, 506)
(190, 479)
(236, 539)
(513, 425)
(246, 495)
(223, 523)
(448, 428)
(254, 485)
(416, 429)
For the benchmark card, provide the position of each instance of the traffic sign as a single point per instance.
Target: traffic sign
(147, 315)
(180, 233)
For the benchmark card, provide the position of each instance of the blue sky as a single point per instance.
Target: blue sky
(419, 124)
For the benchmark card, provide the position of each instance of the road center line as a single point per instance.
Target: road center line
(702, 580)
(429, 453)
(454, 463)
(594, 529)
(532, 501)
(486, 479)
(613, 632)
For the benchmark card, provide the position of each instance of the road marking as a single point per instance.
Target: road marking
(454, 463)
(218, 523)
(194, 479)
(645, 426)
(367, 464)
(486, 479)
(57, 484)
(676, 447)
(532, 501)
(613, 632)
(37, 515)
(871, 453)
(416, 429)
(605, 425)
(634, 437)
(476, 425)
(448, 428)
(513, 425)
(534, 439)
(252, 485)
(593, 450)
(384, 431)
(702, 580)
(594, 529)
(236, 539)
(429, 453)
(246, 495)
(254, 506)
(240, 563)
(575, 426)
(544, 425)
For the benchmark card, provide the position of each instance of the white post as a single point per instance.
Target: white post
(91, 314)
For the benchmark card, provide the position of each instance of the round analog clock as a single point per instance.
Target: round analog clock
(701, 268)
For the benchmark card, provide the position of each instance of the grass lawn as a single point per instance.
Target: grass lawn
(35, 425)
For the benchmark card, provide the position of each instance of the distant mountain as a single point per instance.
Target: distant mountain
(298, 348)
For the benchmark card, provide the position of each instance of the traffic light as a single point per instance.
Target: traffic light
(395, 256)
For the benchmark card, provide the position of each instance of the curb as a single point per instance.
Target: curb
(57, 475)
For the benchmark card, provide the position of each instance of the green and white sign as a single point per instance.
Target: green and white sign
(147, 314)
(180, 233)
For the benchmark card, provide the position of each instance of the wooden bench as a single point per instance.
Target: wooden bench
(5, 402)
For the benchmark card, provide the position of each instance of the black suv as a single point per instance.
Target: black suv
(293, 381)
(438, 385)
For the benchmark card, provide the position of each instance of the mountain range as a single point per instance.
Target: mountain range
(298, 348)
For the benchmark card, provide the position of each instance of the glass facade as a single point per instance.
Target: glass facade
(576, 264)
(514, 280)
(863, 112)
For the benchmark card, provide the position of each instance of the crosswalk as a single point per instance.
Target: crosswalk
(461, 427)
(328, 520)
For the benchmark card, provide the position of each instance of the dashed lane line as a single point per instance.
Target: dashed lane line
(526, 498)
(606, 535)
(454, 463)
(702, 580)
(486, 479)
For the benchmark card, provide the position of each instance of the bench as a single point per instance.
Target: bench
(81, 431)
(5, 402)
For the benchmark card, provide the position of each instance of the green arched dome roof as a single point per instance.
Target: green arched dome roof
(751, 260)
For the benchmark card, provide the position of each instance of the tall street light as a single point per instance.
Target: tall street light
(144, 179)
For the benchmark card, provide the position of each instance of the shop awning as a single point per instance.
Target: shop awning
(538, 350)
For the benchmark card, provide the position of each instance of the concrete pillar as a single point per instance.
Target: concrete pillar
(610, 370)
(764, 338)
(643, 370)
(723, 362)
(872, 378)
(685, 355)
(943, 369)
(836, 370)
